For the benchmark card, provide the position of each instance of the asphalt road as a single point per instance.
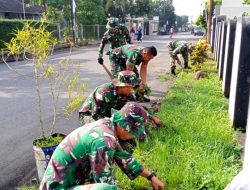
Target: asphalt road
(18, 102)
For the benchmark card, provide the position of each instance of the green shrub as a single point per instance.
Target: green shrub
(9, 26)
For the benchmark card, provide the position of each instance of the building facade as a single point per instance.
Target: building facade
(15, 9)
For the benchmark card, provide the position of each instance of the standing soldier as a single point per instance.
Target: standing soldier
(89, 154)
(127, 57)
(175, 48)
(116, 34)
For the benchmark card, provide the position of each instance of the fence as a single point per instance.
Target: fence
(84, 32)
(231, 45)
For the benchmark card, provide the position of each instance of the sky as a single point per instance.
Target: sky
(191, 8)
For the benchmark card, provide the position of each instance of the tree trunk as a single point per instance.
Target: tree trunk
(209, 22)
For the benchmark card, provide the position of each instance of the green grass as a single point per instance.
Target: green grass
(197, 148)
(29, 187)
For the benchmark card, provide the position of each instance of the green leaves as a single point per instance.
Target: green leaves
(201, 21)
(90, 12)
(147, 90)
(141, 8)
(217, 2)
(49, 140)
(246, 1)
(199, 54)
(34, 40)
(49, 71)
(165, 10)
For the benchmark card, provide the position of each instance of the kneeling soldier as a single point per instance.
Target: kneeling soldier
(109, 95)
(89, 154)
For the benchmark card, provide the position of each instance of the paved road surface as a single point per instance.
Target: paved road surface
(19, 117)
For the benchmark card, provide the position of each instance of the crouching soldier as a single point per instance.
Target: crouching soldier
(175, 48)
(109, 95)
(129, 57)
(89, 154)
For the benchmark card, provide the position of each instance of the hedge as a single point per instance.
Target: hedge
(9, 26)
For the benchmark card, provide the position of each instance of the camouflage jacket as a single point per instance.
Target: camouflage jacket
(89, 154)
(178, 47)
(130, 54)
(100, 102)
(117, 36)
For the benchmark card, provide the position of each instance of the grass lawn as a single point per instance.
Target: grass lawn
(197, 148)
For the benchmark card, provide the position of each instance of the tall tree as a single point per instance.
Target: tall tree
(165, 11)
(217, 2)
(140, 8)
(116, 8)
(201, 21)
(182, 21)
(58, 9)
(88, 12)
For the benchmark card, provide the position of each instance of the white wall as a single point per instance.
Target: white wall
(231, 3)
(233, 8)
(246, 165)
(237, 11)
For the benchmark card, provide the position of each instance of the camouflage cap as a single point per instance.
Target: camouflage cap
(132, 118)
(126, 78)
(112, 22)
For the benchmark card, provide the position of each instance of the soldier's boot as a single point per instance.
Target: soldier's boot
(172, 69)
(145, 99)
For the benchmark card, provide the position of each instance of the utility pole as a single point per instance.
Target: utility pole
(209, 21)
(74, 24)
(23, 9)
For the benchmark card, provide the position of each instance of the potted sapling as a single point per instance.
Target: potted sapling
(35, 44)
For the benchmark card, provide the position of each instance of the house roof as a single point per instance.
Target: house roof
(16, 6)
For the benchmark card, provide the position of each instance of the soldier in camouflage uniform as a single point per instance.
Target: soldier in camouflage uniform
(109, 95)
(116, 34)
(175, 48)
(89, 154)
(127, 57)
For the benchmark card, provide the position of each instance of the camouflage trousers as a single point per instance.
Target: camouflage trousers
(174, 58)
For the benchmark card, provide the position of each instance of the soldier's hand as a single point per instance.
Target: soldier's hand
(141, 87)
(157, 121)
(100, 61)
(157, 184)
(179, 63)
